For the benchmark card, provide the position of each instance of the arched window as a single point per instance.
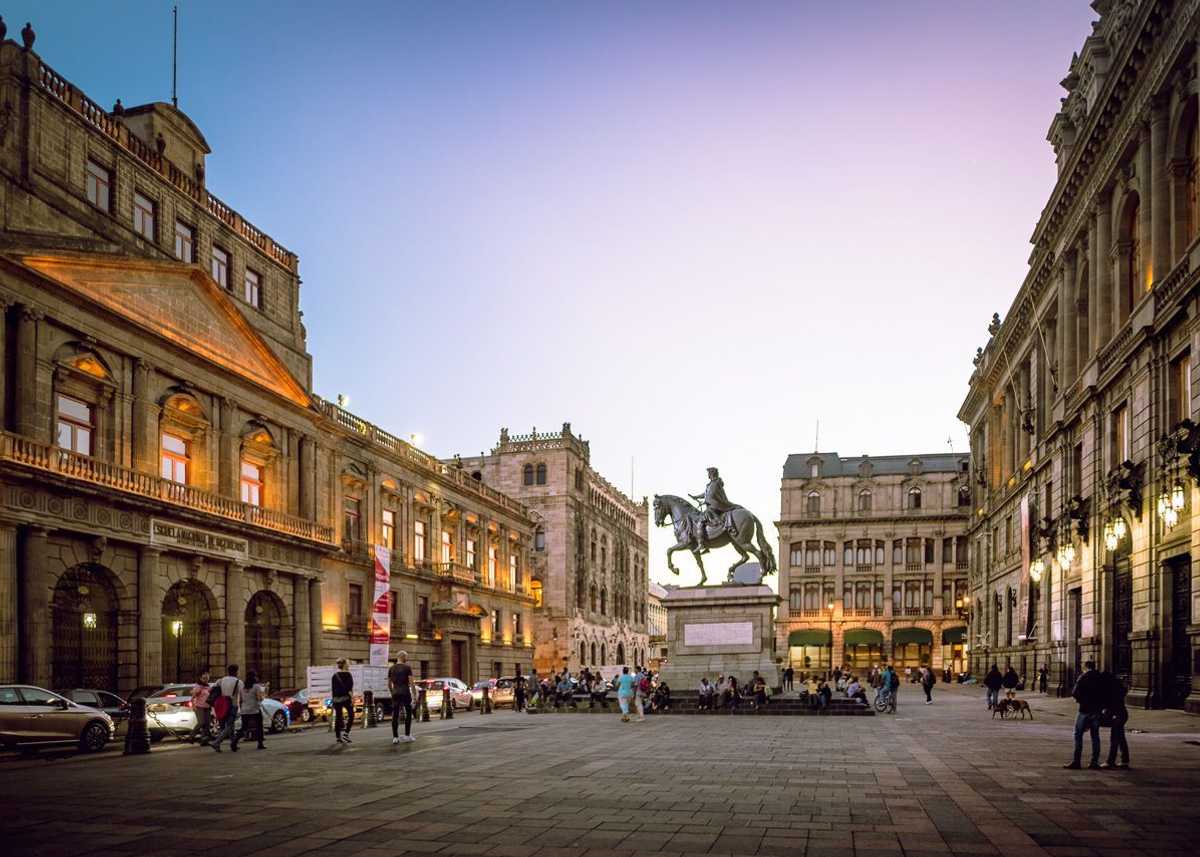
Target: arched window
(964, 495)
(593, 661)
(603, 654)
(595, 598)
(541, 474)
(620, 653)
(582, 654)
(812, 503)
(914, 498)
(527, 474)
(864, 500)
(603, 602)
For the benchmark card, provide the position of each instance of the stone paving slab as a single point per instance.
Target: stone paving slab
(939, 780)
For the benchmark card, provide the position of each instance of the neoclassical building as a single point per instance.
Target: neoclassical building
(873, 560)
(173, 497)
(591, 576)
(1081, 408)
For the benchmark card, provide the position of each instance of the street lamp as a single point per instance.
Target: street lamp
(830, 606)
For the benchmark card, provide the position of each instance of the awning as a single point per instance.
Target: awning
(863, 637)
(810, 637)
(904, 636)
(952, 636)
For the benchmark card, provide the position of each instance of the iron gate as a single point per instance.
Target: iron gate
(1179, 683)
(263, 622)
(1122, 649)
(186, 627)
(84, 624)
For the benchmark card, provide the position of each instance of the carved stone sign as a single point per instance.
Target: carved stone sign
(170, 535)
(718, 634)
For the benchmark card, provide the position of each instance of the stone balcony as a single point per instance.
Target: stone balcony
(45, 458)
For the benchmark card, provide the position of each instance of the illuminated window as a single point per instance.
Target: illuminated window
(419, 541)
(447, 549)
(75, 425)
(253, 289)
(1119, 436)
(174, 458)
(512, 572)
(143, 216)
(252, 483)
(220, 267)
(471, 554)
(351, 517)
(184, 242)
(491, 565)
(389, 529)
(516, 624)
(99, 186)
(1179, 405)
(536, 591)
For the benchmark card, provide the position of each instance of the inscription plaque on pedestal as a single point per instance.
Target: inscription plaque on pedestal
(718, 634)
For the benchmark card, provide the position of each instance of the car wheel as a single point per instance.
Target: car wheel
(306, 715)
(279, 722)
(94, 737)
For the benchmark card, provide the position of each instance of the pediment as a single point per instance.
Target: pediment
(178, 303)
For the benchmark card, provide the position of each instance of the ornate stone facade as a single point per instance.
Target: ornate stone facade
(1081, 404)
(873, 560)
(172, 495)
(591, 576)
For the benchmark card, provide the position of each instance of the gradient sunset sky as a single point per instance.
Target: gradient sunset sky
(690, 229)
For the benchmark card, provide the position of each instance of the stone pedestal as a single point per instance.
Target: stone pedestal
(719, 630)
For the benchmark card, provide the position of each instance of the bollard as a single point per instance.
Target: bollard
(483, 703)
(369, 708)
(423, 707)
(137, 735)
(448, 703)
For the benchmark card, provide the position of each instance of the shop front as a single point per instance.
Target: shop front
(911, 647)
(863, 648)
(810, 649)
(954, 649)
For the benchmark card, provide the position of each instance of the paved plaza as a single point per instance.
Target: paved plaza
(937, 779)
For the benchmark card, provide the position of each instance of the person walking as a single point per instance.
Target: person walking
(341, 688)
(225, 707)
(1090, 694)
(203, 729)
(400, 683)
(993, 681)
(891, 681)
(250, 708)
(1010, 681)
(519, 691)
(788, 677)
(1116, 715)
(927, 681)
(642, 694)
(625, 686)
(1043, 676)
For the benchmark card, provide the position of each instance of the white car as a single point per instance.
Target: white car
(172, 714)
(460, 694)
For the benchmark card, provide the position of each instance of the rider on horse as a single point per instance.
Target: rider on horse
(714, 506)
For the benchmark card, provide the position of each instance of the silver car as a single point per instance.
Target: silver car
(33, 716)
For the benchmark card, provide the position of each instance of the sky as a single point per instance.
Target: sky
(693, 230)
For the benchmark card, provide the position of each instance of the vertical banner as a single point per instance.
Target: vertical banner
(381, 612)
(1025, 599)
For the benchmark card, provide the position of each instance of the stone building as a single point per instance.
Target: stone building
(591, 576)
(1081, 404)
(172, 495)
(656, 623)
(873, 560)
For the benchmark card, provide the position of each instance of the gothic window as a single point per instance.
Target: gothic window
(527, 474)
(541, 474)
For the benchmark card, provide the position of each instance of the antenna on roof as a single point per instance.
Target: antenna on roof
(950, 443)
(817, 439)
(174, 55)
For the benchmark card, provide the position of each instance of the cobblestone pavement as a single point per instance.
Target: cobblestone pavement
(931, 780)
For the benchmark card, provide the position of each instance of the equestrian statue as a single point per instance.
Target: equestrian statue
(716, 523)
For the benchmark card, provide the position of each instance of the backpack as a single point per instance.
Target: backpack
(220, 703)
(644, 686)
(893, 680)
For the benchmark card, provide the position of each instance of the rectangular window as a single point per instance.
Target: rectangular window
(75, 425)
(516, 624)
(419, 541)
(351, 518)
(220, 267)
(797, 554)
(184, 243)
(1179, 407)
(830, 554)
(143, 216)
(447, 547)
(512, 572)
(897, 552)
(1077, 470)
(389, 529)
(174, 458)
(879, 553)
(99, 186)
(796, 599)
(354, 599)
(394, 608)
(848, 554)
(423, 610)
(253, 289)
(491, 566)
(252, 483)
(929, 552)
(1118, 436)
(471, 553)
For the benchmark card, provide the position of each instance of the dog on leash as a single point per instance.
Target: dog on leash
(1000, 708)
(1020, 706)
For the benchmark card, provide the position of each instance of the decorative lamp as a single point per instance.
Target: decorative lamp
(89, 621)
(1111, 539)
(177, 627)
(1177, 496)
(1036, 569)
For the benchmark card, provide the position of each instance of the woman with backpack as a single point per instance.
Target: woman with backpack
(223, 696)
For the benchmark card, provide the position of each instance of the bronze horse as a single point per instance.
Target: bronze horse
(740, 529)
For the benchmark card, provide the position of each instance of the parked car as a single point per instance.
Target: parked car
(500, 690)
(296, 702)
(32, 716)
(170, 713)
(109, 703)
(460, 694)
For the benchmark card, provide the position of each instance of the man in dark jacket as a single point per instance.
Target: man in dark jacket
(1011, 679)
(1114, 707)
(1090, 693)
(993, 681)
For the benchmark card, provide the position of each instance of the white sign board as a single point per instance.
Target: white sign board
(719, 634)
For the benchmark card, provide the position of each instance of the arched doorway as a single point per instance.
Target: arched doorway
(84, 629)
(863, 648)
(603, 654)
(621, 653)
(186, 632)
(264, 622)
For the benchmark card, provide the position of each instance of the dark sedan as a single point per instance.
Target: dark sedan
(109, 703)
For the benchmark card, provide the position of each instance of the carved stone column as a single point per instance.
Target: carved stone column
(145, 420)
(1067, 312)
(301, 630)
(235, 609)
(34, 608)
(1160, 194)
(314, 619)
(291, 466)
(26, 399)
(4, 423)
(308, 478)
(1145, 208)
(150, 667)
(8, 603)
(1105, 308)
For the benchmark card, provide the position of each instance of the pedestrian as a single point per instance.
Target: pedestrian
(642, 694)
(341, 688)
(759, 687)
(993, 681)
(519, 691)
(1115, 716)
(1011, 681)
(1090, 694)
(704, 695)
(400, 683)
(250, 708)
(625, 686)
(225, 707)
(788, 677)
(927, 681)
(203, 728)
(1043, 674)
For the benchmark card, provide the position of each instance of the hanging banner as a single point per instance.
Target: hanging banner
(381, 613)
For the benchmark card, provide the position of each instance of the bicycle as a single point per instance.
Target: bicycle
(885, 701)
